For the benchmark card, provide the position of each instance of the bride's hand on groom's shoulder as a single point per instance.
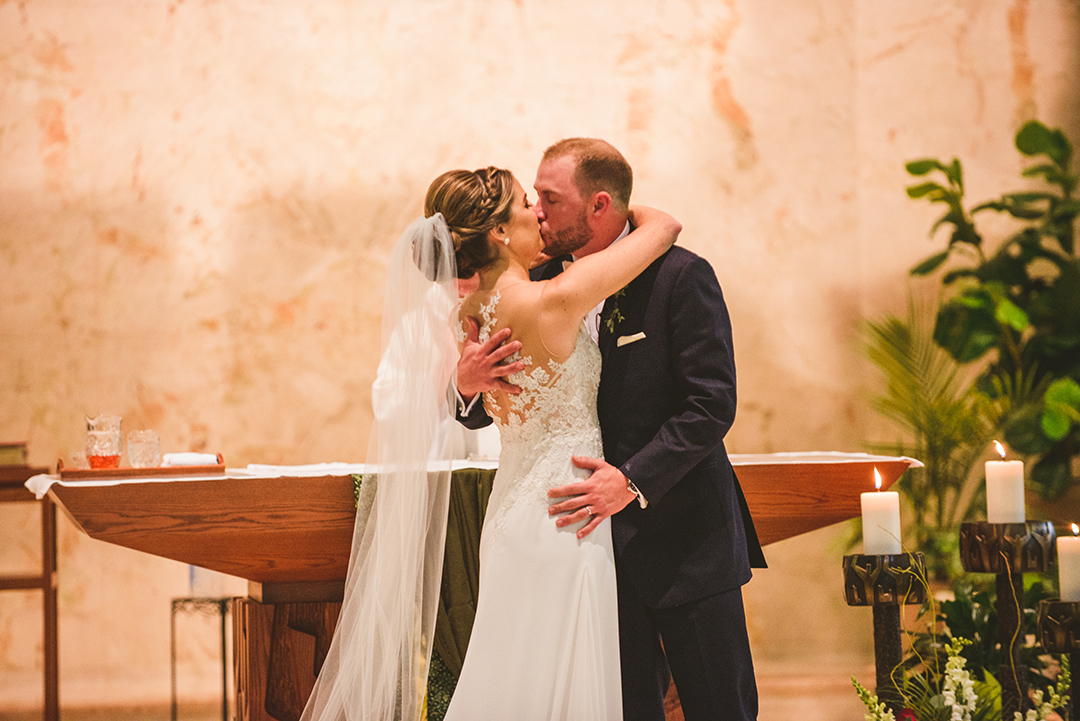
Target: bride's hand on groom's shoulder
(480, 367)
(603, 494)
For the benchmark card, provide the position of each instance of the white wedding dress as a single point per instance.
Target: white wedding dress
(545, 641)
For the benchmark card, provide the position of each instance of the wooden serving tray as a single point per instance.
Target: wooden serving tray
(91, 474)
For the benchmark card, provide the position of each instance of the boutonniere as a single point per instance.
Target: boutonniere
(615, 316)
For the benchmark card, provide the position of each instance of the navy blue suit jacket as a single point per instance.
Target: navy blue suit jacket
(665, 403)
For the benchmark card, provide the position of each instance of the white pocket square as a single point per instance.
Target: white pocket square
(628, 339)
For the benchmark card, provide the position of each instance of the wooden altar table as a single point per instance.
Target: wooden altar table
(288, 530)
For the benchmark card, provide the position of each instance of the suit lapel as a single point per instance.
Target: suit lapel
(631, 303)
(623, 314)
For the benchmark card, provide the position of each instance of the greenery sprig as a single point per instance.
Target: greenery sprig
(614, 316)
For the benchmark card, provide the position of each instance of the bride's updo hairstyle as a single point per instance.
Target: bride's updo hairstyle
(472, 203)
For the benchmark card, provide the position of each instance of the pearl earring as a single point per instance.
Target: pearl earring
(506, 240)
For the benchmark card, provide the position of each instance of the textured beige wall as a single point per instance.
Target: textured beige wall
(196, 198)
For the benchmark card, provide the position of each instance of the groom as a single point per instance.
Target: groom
(684, 541)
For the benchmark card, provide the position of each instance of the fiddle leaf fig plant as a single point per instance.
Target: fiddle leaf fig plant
(1016, 308)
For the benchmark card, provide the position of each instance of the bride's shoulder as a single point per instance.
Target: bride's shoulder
(484, 308)
(511, 301)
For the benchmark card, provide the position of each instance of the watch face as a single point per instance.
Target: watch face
(634, 489)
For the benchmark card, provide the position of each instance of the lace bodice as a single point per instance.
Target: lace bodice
(553, 418)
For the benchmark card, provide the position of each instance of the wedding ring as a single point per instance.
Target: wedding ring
(588, 510)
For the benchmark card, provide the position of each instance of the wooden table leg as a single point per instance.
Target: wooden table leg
(279, 650)
(48, 573)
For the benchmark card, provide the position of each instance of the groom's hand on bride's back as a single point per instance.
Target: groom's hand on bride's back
(481, 366)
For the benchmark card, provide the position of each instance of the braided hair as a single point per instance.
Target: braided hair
(472, 203)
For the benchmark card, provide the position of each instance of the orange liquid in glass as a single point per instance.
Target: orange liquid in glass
(104, 461)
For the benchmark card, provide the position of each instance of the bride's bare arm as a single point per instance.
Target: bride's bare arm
(593, 278)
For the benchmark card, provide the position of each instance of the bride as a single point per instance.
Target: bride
(545, 641)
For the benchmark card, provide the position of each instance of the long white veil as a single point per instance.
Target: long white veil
(376, 668)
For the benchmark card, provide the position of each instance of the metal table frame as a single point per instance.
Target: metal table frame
(208, 606)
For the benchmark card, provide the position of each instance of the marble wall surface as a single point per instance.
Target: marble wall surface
(197, 196)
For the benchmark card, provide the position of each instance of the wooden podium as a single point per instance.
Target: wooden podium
(290, 537)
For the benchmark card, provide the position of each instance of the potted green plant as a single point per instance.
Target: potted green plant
(1001, 355)
(1016, 310)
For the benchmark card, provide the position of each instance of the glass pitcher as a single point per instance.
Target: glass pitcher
(103, 441)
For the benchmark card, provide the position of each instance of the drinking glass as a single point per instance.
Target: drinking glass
(144, 449)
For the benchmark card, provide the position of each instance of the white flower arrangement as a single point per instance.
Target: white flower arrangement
(1058, 696)
(959, 697)
(959, 687)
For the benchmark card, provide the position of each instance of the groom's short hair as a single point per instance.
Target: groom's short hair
(600, 167)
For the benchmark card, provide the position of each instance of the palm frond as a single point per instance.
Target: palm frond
(944, 420)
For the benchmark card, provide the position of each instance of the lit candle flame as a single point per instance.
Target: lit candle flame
(877, 479)
(1076, 529)
(1000, 449)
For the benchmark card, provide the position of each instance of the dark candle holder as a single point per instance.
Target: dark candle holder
(886, 582)
(1009, 550)
(1059, 632)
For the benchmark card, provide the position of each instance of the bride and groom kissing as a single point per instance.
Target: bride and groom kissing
(616, 540)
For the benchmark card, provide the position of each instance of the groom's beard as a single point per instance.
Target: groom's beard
(568, 240)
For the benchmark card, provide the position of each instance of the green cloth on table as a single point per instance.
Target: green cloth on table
(469, 491)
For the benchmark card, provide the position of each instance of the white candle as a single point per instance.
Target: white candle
(881, 521)
(1005, 490)
(1068, 559)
